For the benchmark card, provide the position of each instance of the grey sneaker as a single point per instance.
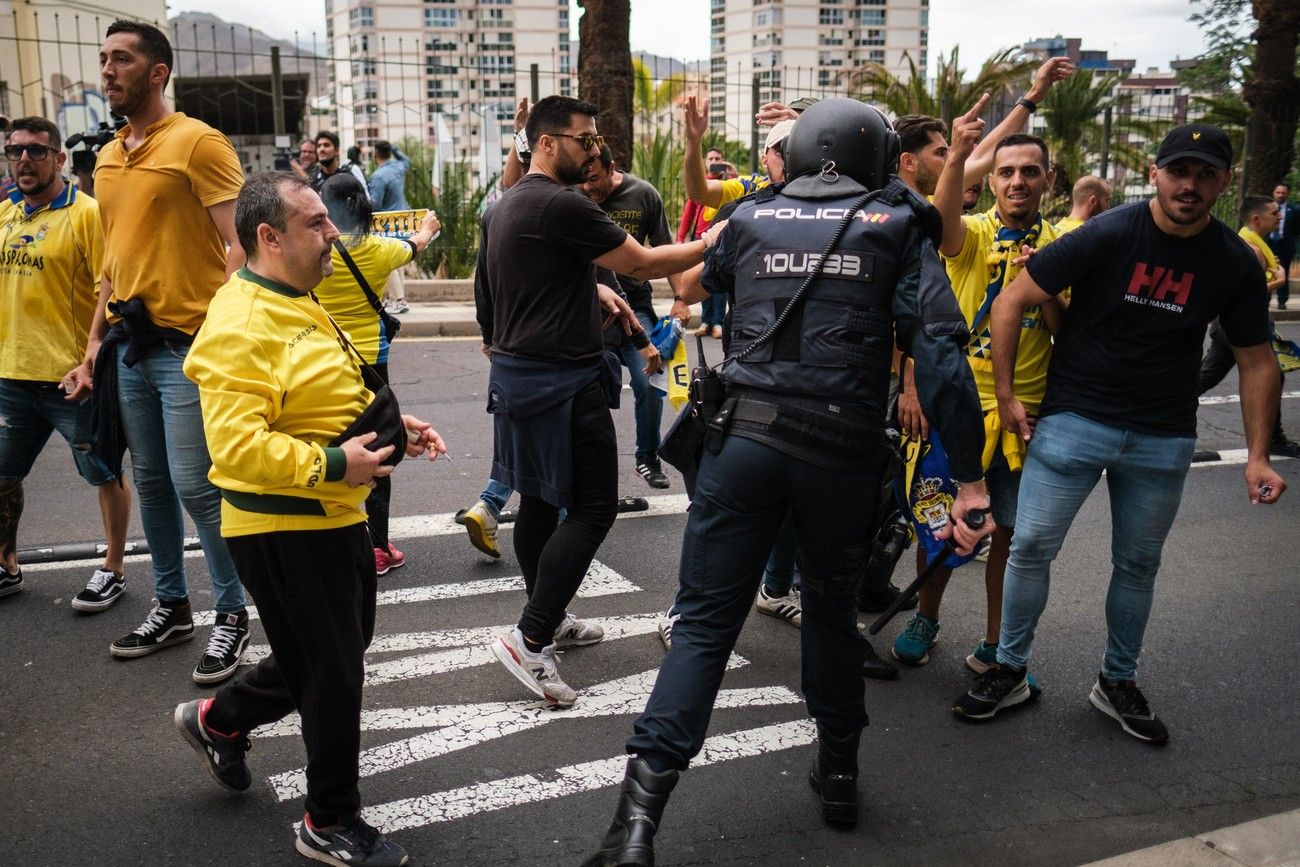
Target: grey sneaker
(537, 671)
(573, 632)
(224, 754)
(355, 844)
(102, 590)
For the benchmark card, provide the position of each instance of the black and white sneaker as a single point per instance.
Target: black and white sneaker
(102, 590)
(10, 582)
(350, 845)
(994, 690)
(224, 754)
(1124, 702)
(166, 625)
(652, 471)
(226, 648)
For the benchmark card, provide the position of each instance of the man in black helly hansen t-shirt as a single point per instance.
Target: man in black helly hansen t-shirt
(1121, 398)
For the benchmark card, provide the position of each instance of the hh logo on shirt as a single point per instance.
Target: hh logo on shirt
(1158, 286)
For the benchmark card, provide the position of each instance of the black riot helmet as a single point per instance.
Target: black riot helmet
(839, 138)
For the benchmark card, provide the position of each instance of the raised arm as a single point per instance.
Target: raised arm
(981, 161)
(698, 187)
(966, 131)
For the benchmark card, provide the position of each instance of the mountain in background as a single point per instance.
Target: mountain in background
(206, 46)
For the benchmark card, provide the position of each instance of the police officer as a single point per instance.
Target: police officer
(801, 429)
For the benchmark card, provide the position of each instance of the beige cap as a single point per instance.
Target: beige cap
(778, 134)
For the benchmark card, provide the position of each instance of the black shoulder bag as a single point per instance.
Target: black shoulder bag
(392, 324)
(702, 422)
(382, 415)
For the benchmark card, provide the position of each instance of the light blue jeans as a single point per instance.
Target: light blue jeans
(1144, 475)
(495, 496)
(170, 463)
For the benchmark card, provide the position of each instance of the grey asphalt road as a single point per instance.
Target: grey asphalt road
(467, 771)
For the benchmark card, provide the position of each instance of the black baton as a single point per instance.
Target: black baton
(974, 519)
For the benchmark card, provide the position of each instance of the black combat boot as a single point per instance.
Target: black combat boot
(876, 667)
(834, 775)
(630, 838)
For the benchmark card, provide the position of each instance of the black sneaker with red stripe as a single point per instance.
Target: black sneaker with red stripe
(224, 754)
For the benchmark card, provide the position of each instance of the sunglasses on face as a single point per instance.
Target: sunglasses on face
(585, 140)
(34, 151)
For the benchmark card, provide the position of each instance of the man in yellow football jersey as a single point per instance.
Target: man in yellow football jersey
(983, 252)
(53, 249)
(166, 187)
(278, 387)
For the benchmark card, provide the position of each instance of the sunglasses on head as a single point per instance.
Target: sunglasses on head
(34, 151)
(585, 140)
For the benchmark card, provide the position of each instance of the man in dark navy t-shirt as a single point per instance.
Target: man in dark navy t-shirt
(1121, 397)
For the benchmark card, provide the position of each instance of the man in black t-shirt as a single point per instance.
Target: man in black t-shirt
(554, 435)
(637, 208)
(1121, 397)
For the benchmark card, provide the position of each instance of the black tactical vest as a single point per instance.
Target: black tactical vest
(836, 345)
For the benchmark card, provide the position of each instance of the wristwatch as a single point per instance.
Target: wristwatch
(521, 142)
(1028, 103)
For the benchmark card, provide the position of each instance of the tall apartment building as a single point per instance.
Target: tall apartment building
(803, 48)
(445, 72)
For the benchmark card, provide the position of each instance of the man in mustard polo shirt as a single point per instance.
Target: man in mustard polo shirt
(166, 187)
(278, 386)
(983, 253)
(1091, 195)
(51, 252)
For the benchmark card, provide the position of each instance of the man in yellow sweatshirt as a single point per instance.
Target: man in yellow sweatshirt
(277, 385)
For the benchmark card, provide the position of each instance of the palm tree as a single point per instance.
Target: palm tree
(951, 94)
(605, 70)
(1273, 91)
(652, 101)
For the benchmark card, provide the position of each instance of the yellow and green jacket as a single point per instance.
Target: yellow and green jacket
(276, 386)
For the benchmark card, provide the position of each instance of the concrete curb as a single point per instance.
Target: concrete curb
(1273, 840)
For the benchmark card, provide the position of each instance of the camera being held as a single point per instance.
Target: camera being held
(83, 160)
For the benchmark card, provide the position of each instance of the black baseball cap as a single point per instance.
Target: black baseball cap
(1199, 141)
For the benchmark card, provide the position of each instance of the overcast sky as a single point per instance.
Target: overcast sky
(1151, 31)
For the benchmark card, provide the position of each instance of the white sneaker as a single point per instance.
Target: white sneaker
(666, 624)
(787, 608)
(573, 632)
(481, 526)
(398, 306)
(537, 671)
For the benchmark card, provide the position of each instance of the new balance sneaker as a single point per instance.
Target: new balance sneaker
(573, 632)
(10, 582)
(481, 527)
(994, 690)
(102, 590)
(388, 560)
(666, 624)
(355, 844)
(226, 648)
(912, 646)
(788, 607)
(983, 658)
(537, 671)
(652, 471)
(166, 625)
(224, 754)
(1124, 702)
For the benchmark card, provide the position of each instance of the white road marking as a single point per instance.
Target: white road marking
(624, 696)
(1216, 399)
(599, 581)
(570, 780)
(615, 627)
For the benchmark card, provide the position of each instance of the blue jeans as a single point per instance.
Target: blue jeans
(649, 402)
(743, 496)
(30, 413)
(170, 463)
(713, 310)
(1144, 476)
(781, 569)
(495, 496)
